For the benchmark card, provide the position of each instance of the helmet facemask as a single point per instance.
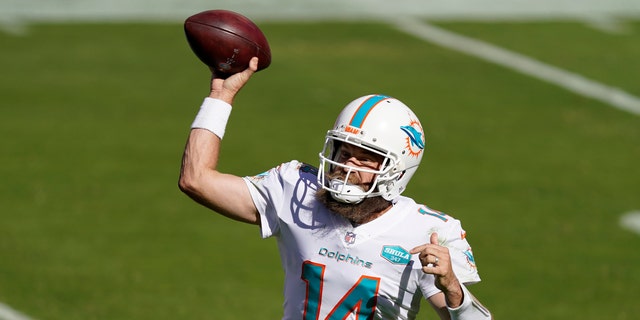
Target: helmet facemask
(336, 177)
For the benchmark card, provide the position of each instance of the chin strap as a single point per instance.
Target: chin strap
(349, 193)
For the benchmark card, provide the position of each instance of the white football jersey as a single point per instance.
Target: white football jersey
(336, 271)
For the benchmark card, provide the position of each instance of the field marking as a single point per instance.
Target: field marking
(7, 313)
(573, 82)
(631, 221)
(608, 25)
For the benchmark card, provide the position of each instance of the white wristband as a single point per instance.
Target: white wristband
(213, 116)
(470, 309)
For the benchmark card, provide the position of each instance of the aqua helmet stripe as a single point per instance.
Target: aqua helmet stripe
(361, 114)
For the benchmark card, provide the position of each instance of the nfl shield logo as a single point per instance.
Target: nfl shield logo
(350, 237)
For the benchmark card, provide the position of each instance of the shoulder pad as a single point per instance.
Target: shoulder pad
(307, 168)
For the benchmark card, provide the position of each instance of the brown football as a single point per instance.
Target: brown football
(226, 41)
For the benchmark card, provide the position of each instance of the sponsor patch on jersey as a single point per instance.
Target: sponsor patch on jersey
(396, 254)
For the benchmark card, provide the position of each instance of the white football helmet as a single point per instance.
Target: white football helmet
(382, 125)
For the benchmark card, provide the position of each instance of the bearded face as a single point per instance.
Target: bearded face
(368, 208)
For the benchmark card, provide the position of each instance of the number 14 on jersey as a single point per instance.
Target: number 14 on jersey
(360, 300)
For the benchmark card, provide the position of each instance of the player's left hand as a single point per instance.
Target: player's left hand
(436, 260)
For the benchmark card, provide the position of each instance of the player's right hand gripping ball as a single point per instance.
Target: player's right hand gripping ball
(226, 41)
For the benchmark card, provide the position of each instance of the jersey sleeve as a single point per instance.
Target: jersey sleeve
(452, 236)
(462, 260)
(267, 192)
(270, 192)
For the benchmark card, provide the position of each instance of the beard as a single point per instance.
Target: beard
(357, 213)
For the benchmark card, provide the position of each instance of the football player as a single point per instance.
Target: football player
(351, 245)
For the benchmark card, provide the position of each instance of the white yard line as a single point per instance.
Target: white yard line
(573, 82)
(608, 25)
(631, 221)
(7, 313)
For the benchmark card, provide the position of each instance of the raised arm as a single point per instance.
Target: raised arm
(199, 178)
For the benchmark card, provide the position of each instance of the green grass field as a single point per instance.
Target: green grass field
(94, 117)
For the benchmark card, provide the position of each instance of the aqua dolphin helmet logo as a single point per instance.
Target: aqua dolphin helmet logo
(415, 138)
